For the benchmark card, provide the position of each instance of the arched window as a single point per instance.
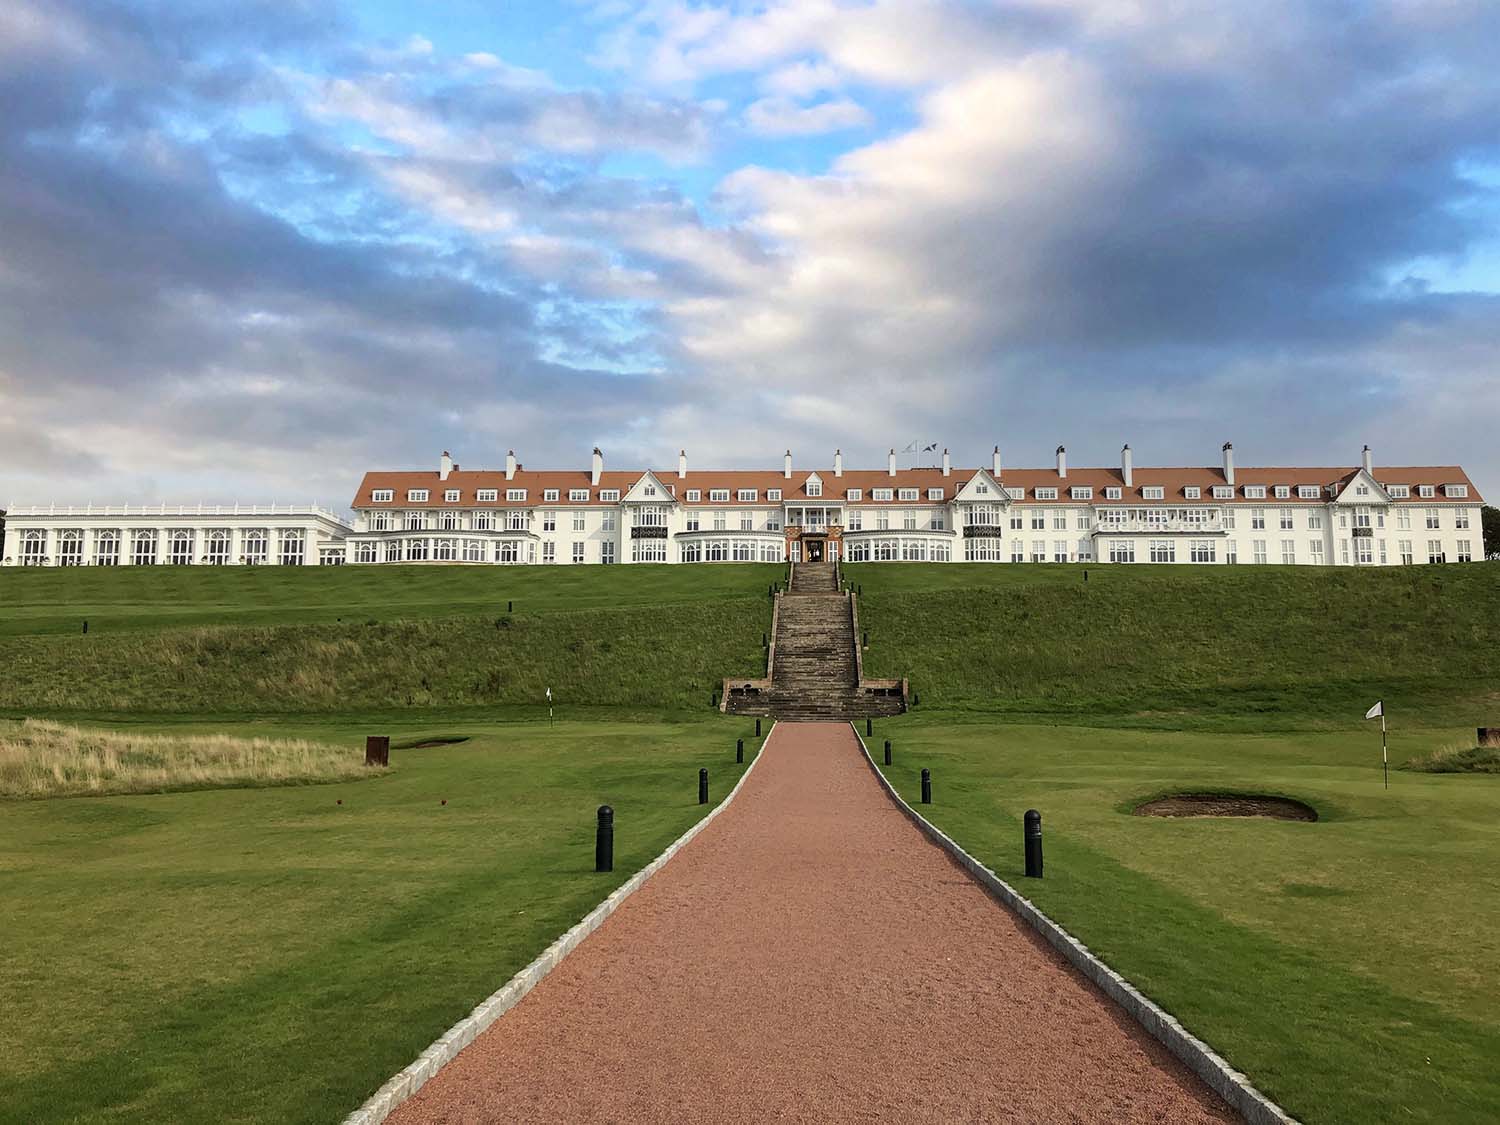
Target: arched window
(180, 547)
(34, 547)
(70, 548)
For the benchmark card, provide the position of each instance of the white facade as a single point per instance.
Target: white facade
(1359, 516)
(158, 535)
(1204, 516)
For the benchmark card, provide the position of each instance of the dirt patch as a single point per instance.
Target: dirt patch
(1225, 804)
(429, 743)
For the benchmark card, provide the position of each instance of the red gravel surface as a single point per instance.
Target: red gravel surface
(811, 957)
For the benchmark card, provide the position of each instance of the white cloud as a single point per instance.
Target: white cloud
(782, 117)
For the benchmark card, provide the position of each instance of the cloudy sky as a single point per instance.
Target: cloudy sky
(249, 250)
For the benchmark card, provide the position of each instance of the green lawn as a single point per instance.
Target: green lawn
(270, 955)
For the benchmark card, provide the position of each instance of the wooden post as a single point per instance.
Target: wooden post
(378, 750)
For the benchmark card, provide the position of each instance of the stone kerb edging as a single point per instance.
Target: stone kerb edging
(1231, 1085)
(401, 1087)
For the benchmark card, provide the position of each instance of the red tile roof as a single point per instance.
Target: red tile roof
(1173, 481)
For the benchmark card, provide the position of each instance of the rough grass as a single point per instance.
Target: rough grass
(1457, 759)
(42, 759)
(1182, 641)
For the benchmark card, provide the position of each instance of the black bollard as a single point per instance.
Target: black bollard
(85, 627)
(1085, 574)
(1033, 821)
(861, 589)
(927, 787)
(916, 698)
(757, 728)
(765, 641)
(509, 606)
(604, 840)
(888, 753)
(869, 726)
(866, 639)
(703, 786)
(739, 749)
(715, 699)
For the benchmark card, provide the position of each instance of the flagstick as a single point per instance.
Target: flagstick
(1385, 760)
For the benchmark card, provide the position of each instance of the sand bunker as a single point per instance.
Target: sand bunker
(1224, 804)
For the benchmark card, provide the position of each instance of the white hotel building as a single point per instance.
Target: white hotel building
(1354, 516)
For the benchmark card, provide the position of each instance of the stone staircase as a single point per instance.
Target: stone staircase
(815, 674)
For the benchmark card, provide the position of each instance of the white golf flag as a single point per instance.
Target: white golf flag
(549, 695)
(1377, 711)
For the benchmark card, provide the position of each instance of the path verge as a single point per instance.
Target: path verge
(1230, 1084)
(447, 1046)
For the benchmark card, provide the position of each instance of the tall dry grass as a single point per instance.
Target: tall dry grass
(42, 759)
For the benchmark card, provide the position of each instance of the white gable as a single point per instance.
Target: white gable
(1362, 489)
(983, 488)
(648, 490)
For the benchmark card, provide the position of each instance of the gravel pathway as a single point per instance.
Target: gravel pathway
(811, 957)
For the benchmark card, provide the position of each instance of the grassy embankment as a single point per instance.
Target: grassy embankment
(1347, 965)
(237, 641)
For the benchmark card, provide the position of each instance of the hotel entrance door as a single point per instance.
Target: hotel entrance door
(814, 550)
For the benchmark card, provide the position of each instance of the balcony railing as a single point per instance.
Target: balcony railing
(35, 510)
(1160, 527)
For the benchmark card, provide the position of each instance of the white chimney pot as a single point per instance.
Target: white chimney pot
(681, 464)
(947, 464)
(890, 465)
(598, 467)
(786, 465)
(1062, 462)
(1127, 467)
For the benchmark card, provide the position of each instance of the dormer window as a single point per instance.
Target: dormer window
(746, 495)
(854, 495)
(908, 494)
(773, 495)
(718, 495)
(382, 496)
(1081, 492)
(1455, 491)
(1112, 492)
(450, 496)
(694, 495)
(1425, 490)
(416, 496)
(1283, 491)
(1308, 491)
(1016, 493)
(1398, 491)
(578, 495)
(548, 494)
(486, 496)
(612, 495)
(515, 495)
(815, 488)
(1192, 492)
(1153, 492)
(934, 494)
(1223, 492)
(1255, 492)
(1046, 494)
(881, 494)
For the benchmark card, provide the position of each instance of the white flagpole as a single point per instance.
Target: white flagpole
(1385, 760)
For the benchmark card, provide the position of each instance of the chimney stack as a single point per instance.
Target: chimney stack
(947, 464)
(510, 465)
(598, 469)
(786, 465)
(890, 464)
(682, 464)
(1369, 460)
(445, 466)
(1228, 462)
(995, 467)
(1062, 463)
(838, 462)
(1127, 467)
